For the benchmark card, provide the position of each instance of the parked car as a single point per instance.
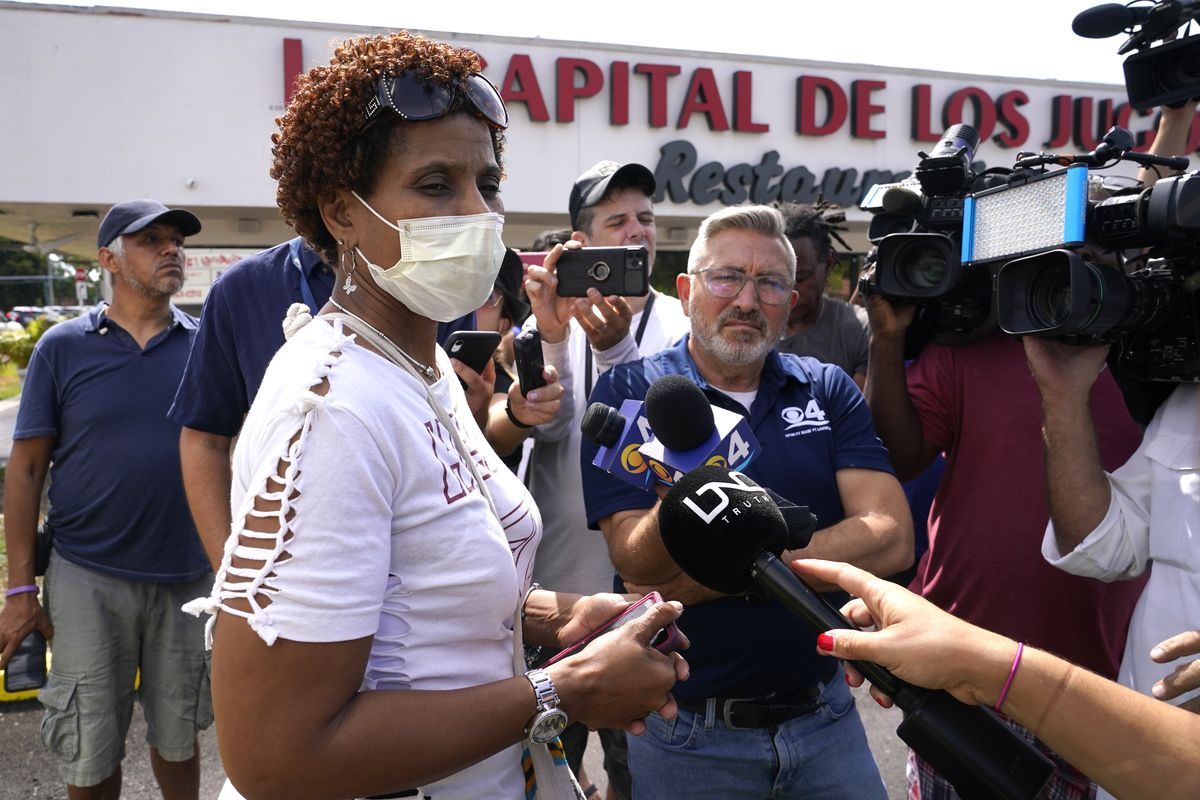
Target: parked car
(25, 314)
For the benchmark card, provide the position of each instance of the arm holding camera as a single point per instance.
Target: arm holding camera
(896, 419)
(1080, 493)
(1174, 127)
(1077, 487)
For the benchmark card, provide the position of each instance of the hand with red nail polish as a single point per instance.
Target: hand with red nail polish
(1130, 744)
(910, 631)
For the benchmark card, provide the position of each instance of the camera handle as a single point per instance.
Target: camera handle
(1117, 145)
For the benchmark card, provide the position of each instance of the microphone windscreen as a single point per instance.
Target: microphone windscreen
(901, 201)
(714, 523)
(679, 413)
(602, 424)
(1102, 21)
(961, 135)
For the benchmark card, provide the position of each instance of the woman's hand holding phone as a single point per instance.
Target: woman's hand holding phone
(589, 614)
(597, 614)
(618, 677)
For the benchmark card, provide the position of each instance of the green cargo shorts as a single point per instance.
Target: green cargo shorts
(105, 629)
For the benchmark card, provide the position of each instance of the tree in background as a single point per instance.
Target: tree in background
(18, 262)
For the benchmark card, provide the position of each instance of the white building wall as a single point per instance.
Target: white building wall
(107, 105)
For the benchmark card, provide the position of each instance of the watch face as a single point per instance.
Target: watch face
(548, 724)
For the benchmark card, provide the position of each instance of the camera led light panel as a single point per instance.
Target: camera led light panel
(1023, 218)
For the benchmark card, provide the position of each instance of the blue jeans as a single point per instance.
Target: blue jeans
(819, 755)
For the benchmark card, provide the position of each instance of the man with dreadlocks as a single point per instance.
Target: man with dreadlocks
(827, 328)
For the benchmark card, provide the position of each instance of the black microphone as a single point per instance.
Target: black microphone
(947, 169)
(1101, 22)
(690, 432)
(725, 532)
(678, 412)
(602, 424)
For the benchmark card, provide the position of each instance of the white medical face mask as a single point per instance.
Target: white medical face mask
(447, 265)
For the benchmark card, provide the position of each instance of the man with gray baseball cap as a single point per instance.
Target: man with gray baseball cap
(126, 556)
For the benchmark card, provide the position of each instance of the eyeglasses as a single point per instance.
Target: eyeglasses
(494, 298)
(772, 290)
(416, 99)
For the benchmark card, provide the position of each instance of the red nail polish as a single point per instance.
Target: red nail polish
(847, 677)
(825, 643)
(880, 702)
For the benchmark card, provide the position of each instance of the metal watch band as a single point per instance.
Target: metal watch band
(543, 689)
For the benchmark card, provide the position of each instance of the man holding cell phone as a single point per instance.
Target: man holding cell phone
(611, 205)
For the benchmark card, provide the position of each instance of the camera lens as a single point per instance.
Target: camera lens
(923, 267)
(1050, 297)
(1181, 71)
(917, 265)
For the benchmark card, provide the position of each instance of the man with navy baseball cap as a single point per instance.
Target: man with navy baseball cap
(134, 215)
(126, 555)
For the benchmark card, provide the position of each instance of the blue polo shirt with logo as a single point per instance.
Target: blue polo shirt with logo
(810, 421)
(116, 491)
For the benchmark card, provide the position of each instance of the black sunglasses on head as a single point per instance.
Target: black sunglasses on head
(416, 99)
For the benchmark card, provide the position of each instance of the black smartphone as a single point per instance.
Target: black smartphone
(527, 353)
(27, 668)
(610, 270)
(665, 641)
(473, 348)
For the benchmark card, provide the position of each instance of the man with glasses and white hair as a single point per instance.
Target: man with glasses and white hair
(761, 714)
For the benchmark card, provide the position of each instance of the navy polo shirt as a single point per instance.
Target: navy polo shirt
(810, 421)
(241, 328)
(116, 491)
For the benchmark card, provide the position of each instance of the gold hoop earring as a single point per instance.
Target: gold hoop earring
(348, 286)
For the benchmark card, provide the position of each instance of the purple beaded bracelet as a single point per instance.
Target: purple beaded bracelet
(16, 590)
(1012, 673)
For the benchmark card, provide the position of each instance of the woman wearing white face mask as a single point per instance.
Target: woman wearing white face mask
(364, 613)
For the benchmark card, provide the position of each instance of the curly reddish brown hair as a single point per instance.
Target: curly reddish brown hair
(321, 146)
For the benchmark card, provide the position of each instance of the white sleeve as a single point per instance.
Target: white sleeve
(622, 352)
(330, 577)
(1119, 547)
(559, 354)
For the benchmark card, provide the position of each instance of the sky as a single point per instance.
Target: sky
(1012, 38)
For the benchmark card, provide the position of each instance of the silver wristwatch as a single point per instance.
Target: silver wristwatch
(550, 720)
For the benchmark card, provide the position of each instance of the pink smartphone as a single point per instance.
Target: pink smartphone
(533, 258)
(665, 641)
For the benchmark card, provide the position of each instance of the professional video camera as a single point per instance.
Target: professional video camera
(1053, 281)
(1155, 75)
(917, 229)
